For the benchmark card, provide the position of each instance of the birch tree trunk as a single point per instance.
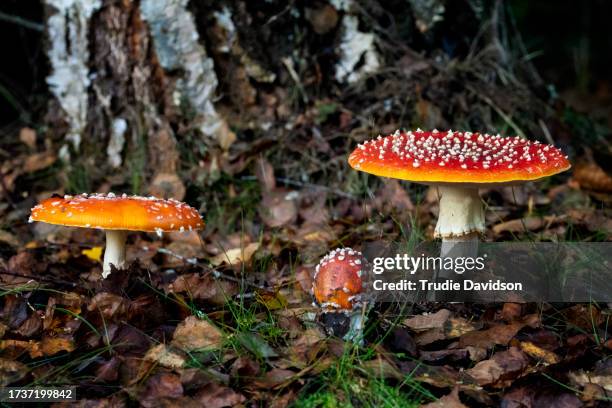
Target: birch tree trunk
(125, 75)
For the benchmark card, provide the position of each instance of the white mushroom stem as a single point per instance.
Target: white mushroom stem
(357, 325)
(461, 212)
(115, 251)
(460, 221)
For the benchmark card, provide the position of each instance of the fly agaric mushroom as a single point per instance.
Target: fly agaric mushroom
(117, 215)
(458, 164)
(338, 289)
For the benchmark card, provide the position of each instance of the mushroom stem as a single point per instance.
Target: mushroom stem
(115, 251)
(461, 212)
(356, 326)
(460, 221)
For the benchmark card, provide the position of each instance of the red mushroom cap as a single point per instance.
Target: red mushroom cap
(457, 157)
(111, 212)
(338, 279)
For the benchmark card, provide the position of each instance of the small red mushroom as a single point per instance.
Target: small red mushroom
(337, 282)
(338, 289)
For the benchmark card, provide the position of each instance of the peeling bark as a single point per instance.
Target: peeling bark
(67, 29)
(176, 42)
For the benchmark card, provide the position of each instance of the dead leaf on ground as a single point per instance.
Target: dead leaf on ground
(27, 136)
(380, 367)
(32, 325)
(314, 211)
(13, 348)
(244, 368)
(448, 401)
(167, 185)
(236, 256)
(160, 386)
(438, 326)
(274, 378)
(11, 371)
(214, 395)
(108, 371)
(501, 369)
(165, 357)
(203, 287)
(195, 334)
(428, 321)
(539, 353)
(304, 278)
(39, 161)
(392, 196)
(323, 18)
(500, 334)
(591, 176)
(511, 311)
(278, 208)
(50, 346)
(525, 224)
(601, 376)
(109, 305)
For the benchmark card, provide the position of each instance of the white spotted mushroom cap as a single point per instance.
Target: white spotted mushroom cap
(338, 282)
(447, 157)
(111, 212)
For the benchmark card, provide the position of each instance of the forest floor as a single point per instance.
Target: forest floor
(224, 318)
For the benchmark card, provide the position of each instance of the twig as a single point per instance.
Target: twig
(288, 63)
(22, 22)
(547, 134)
(501, 113)
(37, 278)
(279, 15)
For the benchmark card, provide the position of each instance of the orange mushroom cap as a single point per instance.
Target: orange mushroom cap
(337, 281)
(457, 158)
(111, 212)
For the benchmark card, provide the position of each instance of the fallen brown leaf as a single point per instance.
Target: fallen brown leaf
(158, 386)
(11, 371)
(109, 305)
(274, 377)
(425, 322)
(53, 345)
(278, 208)
(214, 395)
(195, 334)
(501, 369)
(27, 136)
(601, 375)
(500, 334)
(39, 161)
(448, 401)
(525, 224)
(591, 176)
(438, 326)
(539, 353)
(203, 287)
(323, 18)
(236, 255)
(165, 357)
(244, 368)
